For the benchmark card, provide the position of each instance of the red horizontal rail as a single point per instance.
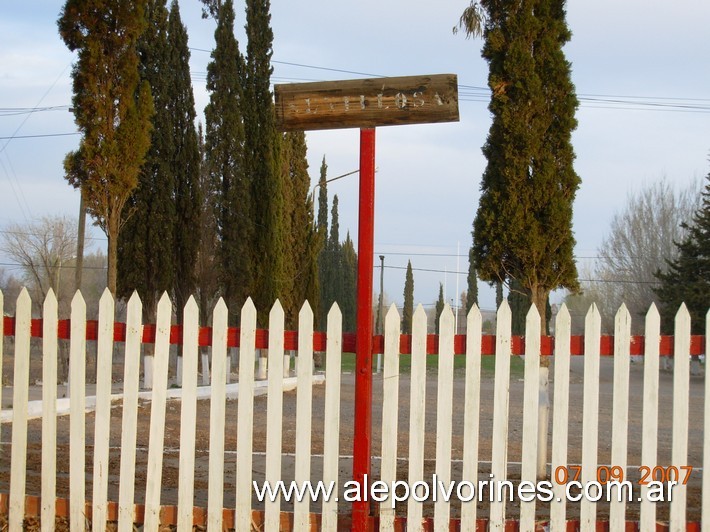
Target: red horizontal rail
(697, 342)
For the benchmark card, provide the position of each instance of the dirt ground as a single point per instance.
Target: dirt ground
(172, 444)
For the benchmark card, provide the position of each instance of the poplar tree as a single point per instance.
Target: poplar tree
(687, 279)
(323, 260)
(184, 163)
(347, 300)
(439, 308)
(523, 226)
(145, 246)
(262, 159)
(224, 147)
(112, 109)
(408, 310)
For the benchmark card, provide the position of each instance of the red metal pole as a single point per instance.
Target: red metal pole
(363, 342)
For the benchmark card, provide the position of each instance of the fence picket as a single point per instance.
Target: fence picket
(274, 413)
(102, 417)
(154, 467)
(245, 427)
(499, 453)
(590, 412)
(444, 412)
(77, 407)
(531, 398)
(188, 416)
(129, 421)
(649, 438)
(20, 394)
(620, 412)
(215, 481)
(331, 422)
(472, 407)
(390, 398)
(681, 386)
(560, 418)
(2, 343)
(49, 410)
(705, 518)
(417, 411)
(304, 399)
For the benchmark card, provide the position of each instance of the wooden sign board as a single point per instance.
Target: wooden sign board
(363, 103)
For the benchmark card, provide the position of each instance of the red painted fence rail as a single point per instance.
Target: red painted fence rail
(697, 342)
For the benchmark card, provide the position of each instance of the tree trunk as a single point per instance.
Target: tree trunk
(539, 299)
(112, 274)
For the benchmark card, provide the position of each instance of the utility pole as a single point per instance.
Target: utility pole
(380, 316)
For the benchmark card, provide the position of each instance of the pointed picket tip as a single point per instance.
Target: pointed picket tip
(247, 306)
(23, 296)
(221, 306)
(623, 314)
(563, 313)
(447, 310)
(191, 302)
(475, 312)
(532, 313)
(106, 297)
(392, 314)
(503, 310)
(419, 311)
(50, 298)
(334, 312)
(164, 302)
(78, 300)
(191, 307)
(135, 299)
(682, 313)
(277, 309)
(593, 311)
(306, 307)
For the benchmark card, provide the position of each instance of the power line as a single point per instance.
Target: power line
(39, 136)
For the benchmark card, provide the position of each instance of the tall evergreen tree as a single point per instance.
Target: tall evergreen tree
(262, 158)
(347, 300)
(688, 277)
(184, 164)
(323, 261)
(302, 242)
(519, 301)
(499, 294)
(439, 307)
(523, 227)
(408, 311)
(224, 146)
(471, 282)
(112, 109)
(145, 246)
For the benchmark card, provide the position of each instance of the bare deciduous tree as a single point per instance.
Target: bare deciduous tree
(640, 241)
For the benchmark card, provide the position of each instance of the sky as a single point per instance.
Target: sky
(641, 70)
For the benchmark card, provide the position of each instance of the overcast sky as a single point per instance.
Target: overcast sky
(641, 70)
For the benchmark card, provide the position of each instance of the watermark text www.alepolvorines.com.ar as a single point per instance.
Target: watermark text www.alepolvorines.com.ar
(490, 490)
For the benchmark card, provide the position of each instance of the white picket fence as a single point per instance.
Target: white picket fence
(415, 453)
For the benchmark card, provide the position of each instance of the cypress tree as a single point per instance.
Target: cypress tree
(408, 311)
(499, 294)
(519, 302)
(145, 246)
(523, 226)
(347, 300)
(439, 307)
(262, 159)
(472, 283)
(688, 277)
(184, 164)
(112, 109)
(224, 146)
(323, 259)
(301, 246)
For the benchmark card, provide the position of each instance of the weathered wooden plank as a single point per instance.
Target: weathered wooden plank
(274, 413)
(77, 408)
(649, 434)
(472, 407)
(49, 409)
(129, 420)
(417, 411)
(20, 395)
(590, 413)
(370, 102)
(245, 427)
(499, 453)
(681, 387)
(304, 411)
(102, 425)
(531, 397)
(188, 416)
(215, 480)
(390, 414)
(563, 328)
(154, 468)
(331, 422)
(620, 412)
